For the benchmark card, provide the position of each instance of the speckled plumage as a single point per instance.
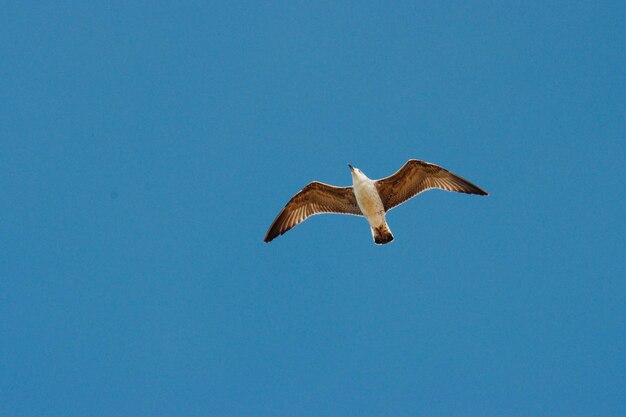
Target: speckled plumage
(369, 198)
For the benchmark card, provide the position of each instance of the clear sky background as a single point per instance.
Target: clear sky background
(147, 147)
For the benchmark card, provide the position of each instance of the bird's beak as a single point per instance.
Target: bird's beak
(350, 166)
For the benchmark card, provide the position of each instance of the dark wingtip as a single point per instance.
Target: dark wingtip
(475, 189)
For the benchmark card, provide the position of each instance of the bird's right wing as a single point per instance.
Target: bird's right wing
(417, 176)
(315, 198)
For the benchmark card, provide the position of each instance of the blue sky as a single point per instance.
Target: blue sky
(147, 146)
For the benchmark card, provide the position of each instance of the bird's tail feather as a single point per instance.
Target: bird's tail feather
(382, 234)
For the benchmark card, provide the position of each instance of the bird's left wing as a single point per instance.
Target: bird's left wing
(417, 176)
(315, 198)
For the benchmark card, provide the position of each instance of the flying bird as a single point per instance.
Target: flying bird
(369, 198)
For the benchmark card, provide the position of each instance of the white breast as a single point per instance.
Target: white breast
(369, 201)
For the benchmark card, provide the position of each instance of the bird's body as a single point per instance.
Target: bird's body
(369, 198)
(369, 201)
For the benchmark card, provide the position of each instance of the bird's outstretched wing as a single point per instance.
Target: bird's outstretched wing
(315, 198)
(417, 176)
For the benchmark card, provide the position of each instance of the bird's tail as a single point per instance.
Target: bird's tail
(382, 234)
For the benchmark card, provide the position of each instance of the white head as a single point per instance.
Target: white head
(357, 174)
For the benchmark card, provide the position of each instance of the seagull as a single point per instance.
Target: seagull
(369, 198)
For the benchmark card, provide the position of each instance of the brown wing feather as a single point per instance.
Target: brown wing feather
(315, 198)
(417, 176)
